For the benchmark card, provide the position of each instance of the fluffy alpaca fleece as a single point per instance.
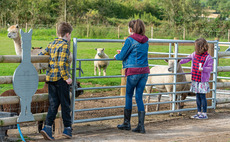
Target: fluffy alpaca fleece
(100, 64)
(166, 79)
(13, 33)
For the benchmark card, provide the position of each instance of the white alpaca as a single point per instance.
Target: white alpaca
(166, 79)
(188, 86)
(100, 64)
(13, 33)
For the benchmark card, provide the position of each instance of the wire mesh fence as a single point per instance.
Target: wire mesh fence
(119, 32)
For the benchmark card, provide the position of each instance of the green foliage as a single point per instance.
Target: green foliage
(85, 51)
(147, 18)
(221, 6)
(7, 69)
(91, 17)
(44, 34)
(85, 11)
(117, 22)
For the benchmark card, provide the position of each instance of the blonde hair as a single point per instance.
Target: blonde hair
(201, 46)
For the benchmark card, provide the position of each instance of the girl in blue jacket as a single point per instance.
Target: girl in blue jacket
(134, 55)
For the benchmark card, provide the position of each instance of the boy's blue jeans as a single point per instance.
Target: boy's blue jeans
(138, 82)
(59, 94)
(201, 101)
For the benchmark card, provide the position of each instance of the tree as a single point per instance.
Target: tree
(224, 9)
(181, 12)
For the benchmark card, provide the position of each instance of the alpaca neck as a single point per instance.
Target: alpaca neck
(17, 46)
(180, 70)
(182, 76)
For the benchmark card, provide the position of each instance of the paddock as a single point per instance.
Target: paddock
(82, 114)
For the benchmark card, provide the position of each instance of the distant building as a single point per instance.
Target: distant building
(211, 16)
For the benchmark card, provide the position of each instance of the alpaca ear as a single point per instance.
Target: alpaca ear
(21, 31)
(17, 26)
(95, 48)
(30, 32)
(103, 49)
(8, 24)
(178, 61)
(166, 60)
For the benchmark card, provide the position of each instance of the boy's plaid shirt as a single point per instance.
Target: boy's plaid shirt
(196, 74)
(58, 66)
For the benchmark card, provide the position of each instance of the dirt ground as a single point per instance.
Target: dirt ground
(159, 128)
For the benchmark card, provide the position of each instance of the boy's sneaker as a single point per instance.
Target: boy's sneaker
(195, 116)
(67, 132)
(47, 133)
(203, 117)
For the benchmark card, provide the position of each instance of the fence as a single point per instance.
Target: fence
(116, 32)
(38, 117)
(176, 42)
(11, 101)
(222, 81)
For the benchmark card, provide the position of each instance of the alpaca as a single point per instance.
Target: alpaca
(13, 33)
(100, 64)
(166, 79)
(188, 86)
(37, 107)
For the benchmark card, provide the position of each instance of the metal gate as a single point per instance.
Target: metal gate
(77, 66)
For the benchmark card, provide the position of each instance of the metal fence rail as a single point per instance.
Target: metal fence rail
(220, 77)
(176, 45)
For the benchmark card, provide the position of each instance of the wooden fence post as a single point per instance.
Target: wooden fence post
(59, 126)
(87, 30)
(228, 35)
(56, 28)
(26, 27)
(209, 95)
(152, 32)
(184, 32)
(175, 38)
(118, 32)
(123, 79)
(123, 82)
(213, 49)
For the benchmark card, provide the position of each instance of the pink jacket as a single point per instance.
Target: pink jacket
(207, 67)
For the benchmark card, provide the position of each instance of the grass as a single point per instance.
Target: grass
(85, 51)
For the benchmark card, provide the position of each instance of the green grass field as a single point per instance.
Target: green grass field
(87, 51)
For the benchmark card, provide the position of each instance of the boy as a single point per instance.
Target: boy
(58, 79)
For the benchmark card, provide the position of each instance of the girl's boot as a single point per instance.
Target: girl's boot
(126, 125)
(140, 127)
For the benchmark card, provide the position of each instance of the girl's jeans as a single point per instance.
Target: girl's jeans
(59, 94)
(201, 101)
(138, 82)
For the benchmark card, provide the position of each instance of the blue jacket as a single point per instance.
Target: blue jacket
(134, 54)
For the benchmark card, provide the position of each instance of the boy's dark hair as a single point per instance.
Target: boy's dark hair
(64, 28)
(201, 46)
(137, 26)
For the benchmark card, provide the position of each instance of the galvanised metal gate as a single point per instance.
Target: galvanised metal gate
(176, 44)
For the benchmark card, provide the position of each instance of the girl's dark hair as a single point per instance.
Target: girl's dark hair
(64, 28)
(137, 26)
(201, 46)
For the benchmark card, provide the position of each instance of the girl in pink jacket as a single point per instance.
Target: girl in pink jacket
(202, 65)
